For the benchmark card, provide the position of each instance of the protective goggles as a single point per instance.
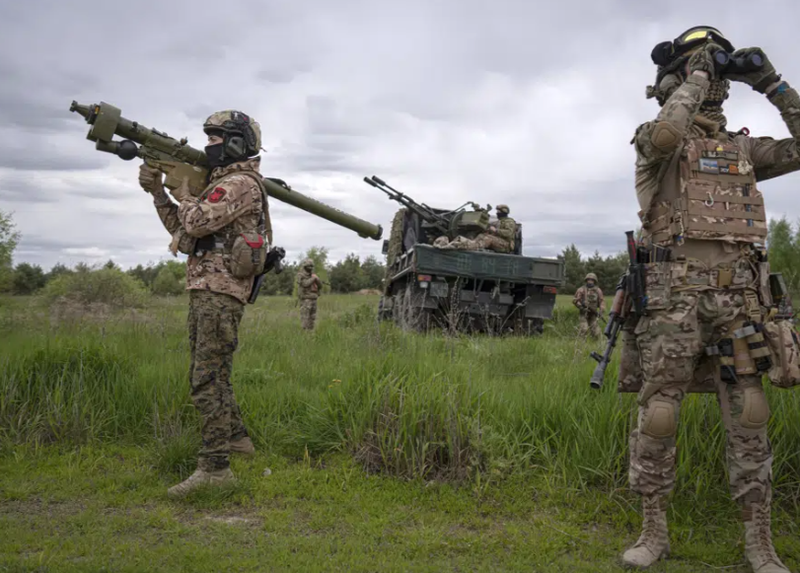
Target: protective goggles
(666, 52)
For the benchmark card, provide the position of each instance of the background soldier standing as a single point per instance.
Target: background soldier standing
(590, 301)
(308, 287)
(696, 185)
(224, 232)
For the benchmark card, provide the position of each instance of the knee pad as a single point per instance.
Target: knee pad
(755, 409)
(659, 421)
(665, 136)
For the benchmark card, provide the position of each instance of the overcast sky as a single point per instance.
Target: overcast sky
(527, 103)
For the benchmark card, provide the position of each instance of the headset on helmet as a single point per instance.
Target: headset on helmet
(666, 53)
(241, 135)
(670, 56)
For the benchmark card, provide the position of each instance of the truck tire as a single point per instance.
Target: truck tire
(407, 313)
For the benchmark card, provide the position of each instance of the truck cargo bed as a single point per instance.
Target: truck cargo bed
(486, 265)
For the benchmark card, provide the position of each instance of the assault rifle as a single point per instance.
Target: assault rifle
(620, 309)
(630, 299)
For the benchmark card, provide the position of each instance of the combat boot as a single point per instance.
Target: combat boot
(243, 446)
(653, 543)
(758, 540)
(200, 479)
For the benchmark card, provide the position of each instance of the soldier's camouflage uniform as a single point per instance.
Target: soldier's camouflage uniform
(500, 242)
(230, 204)
(590, 303)
(693, 196)
(308, 287)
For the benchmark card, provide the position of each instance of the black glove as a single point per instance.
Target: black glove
(758, 78)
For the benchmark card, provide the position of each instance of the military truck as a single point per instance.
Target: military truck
(427, 287)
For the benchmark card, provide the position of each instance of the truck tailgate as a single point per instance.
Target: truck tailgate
(488, 265)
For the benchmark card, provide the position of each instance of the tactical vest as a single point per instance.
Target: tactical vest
(591, 299)
(715, 198)
(223, 239)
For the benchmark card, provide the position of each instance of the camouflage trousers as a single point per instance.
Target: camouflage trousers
(308, 313)
(484, 241)
(213, 336)
(589, 323)
(671, 341)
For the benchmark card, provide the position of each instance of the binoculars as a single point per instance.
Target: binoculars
(727, 64)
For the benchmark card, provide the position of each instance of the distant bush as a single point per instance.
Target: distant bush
(170, 280)
(27, 279)
(108, 286)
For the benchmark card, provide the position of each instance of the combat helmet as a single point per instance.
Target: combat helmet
(308, 263)
(502, 209)
(590, 276)
(241, 134)
(671, 56)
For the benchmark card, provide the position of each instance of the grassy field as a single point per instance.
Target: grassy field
(389, 451)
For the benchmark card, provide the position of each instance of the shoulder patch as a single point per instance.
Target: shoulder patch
(216, 195)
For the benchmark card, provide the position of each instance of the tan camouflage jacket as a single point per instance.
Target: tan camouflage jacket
(658, 168)
(308, 286)
(231, 204)
(590, 299)
(507, 230)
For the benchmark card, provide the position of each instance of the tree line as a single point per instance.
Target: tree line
(165, 278)
(352, 274)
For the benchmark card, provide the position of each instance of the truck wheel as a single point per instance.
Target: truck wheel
(398, 309)
(409, 315)
(528, 326)
(535, 326)
(383, 314)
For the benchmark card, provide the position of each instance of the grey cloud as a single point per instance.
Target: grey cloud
(585, 237)
(449, 101)
(27, 150)
(280, 75)
(16, 188)
(331, 160)
(26, 110)
(32, 159)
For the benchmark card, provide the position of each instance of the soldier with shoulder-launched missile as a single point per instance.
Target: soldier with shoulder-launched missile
(225, 233)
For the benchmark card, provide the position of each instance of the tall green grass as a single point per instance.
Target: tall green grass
(412, 405)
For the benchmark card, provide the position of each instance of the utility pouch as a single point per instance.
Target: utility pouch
(753, 334)
(741, 357)
(764, 290)
(725, 352)
(657, 285)
(782, 339)
(182, 242)
(248, 255)
(630, 376)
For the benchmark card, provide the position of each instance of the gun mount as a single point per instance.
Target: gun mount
(432, 222)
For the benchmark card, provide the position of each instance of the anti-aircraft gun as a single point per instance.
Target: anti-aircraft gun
(431, 223)
(179, 161)
(464, 290)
